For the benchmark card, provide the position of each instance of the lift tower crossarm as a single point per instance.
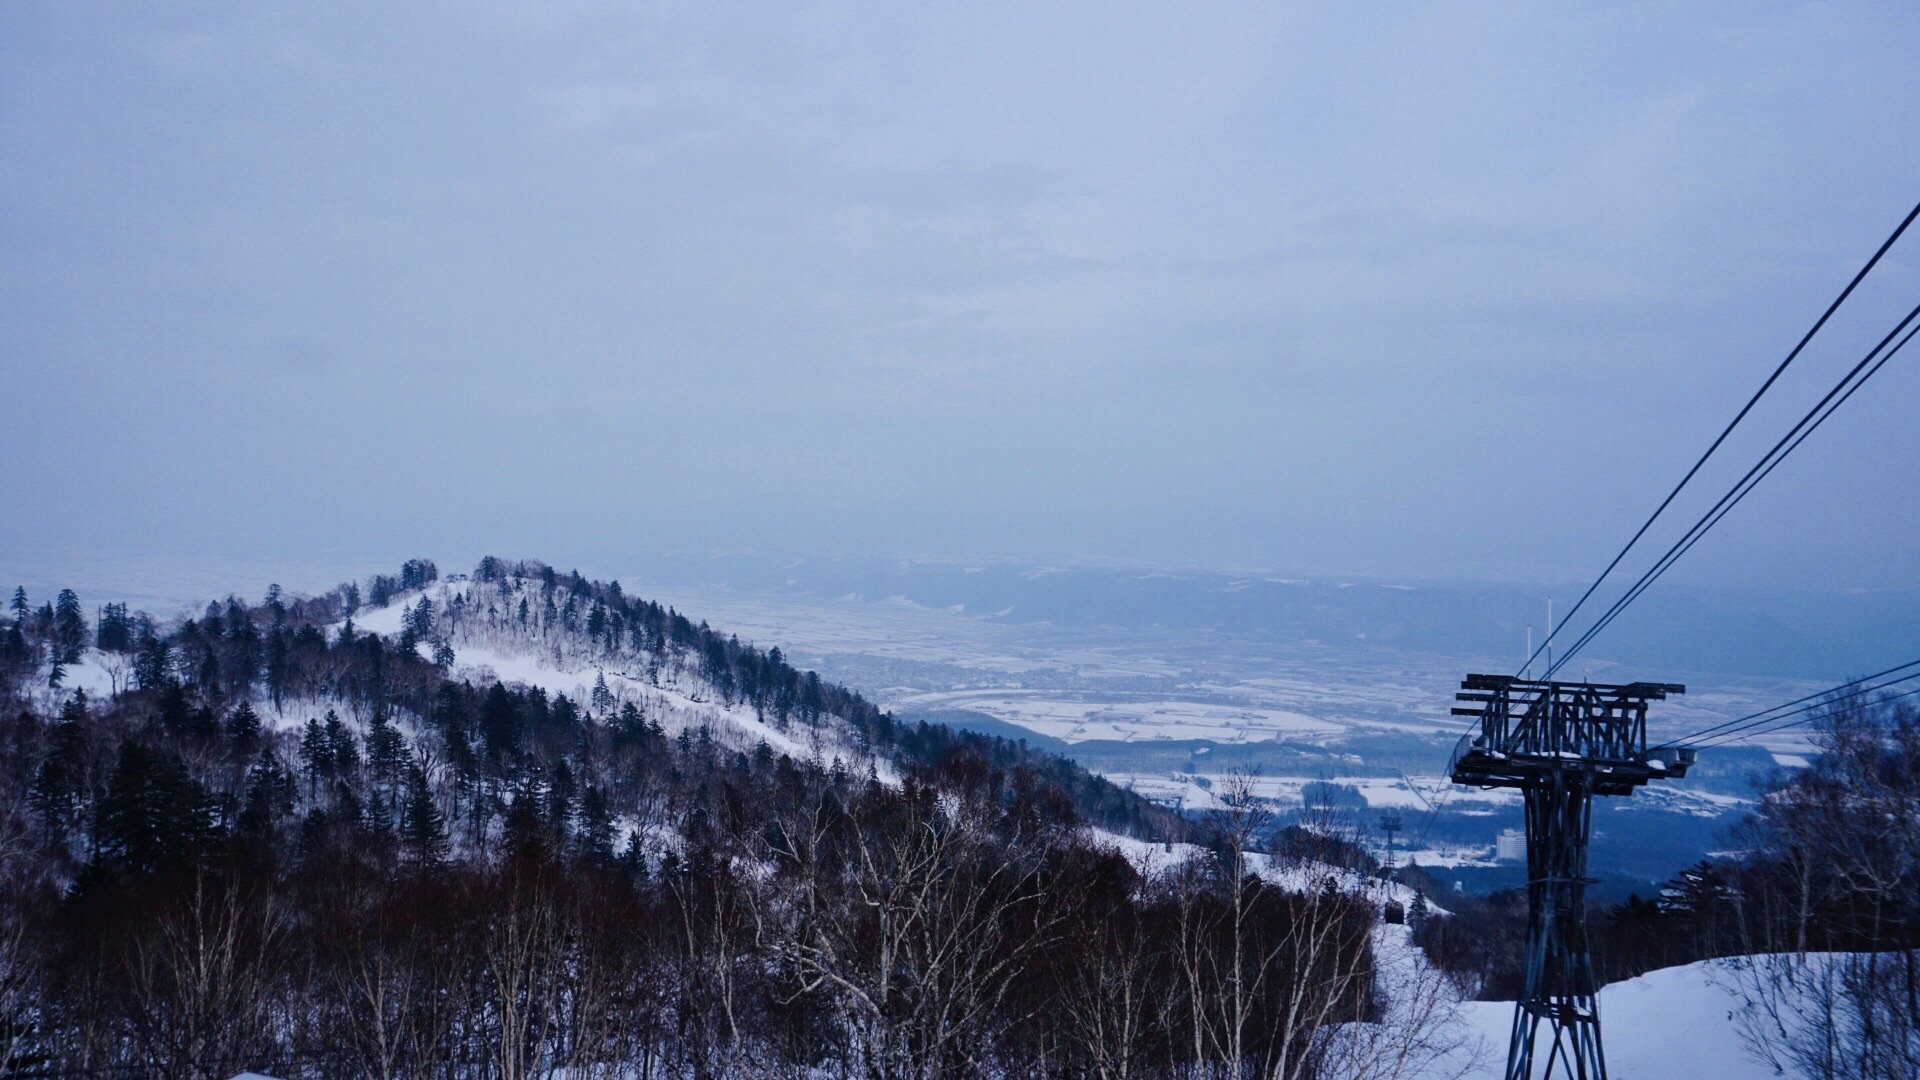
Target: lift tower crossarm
(1529, 729)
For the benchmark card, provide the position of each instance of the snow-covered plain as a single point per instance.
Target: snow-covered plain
(1079, 720)
(1144, 686)
(1381, 793)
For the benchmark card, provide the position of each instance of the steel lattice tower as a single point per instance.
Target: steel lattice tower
(1560, 744)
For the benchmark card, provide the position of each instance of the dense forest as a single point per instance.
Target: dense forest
(278, 841)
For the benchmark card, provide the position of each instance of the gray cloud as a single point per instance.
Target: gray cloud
(1328, 288)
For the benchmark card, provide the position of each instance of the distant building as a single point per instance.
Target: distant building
(1511, 847)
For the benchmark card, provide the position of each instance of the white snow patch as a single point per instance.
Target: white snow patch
(100, 674)
(1673, 1024)
(1147, 857)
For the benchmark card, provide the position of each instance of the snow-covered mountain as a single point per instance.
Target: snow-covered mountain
(605, 653)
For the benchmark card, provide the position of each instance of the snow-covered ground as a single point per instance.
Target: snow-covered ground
(1678, 1023)
(1146, 857)
(100, 674)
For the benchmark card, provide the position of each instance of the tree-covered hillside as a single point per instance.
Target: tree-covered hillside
(519, 822)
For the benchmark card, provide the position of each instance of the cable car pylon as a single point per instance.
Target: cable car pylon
(1561, 744)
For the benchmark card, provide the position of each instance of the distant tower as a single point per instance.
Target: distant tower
(1390, 824)
(1560, 744)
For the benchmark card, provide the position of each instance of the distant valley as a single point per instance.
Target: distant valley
(1168, 683)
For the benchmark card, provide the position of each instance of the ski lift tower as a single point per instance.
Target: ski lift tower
(1390, 823)
(1560, 743)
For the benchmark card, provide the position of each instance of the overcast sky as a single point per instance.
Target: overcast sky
(1441, 291)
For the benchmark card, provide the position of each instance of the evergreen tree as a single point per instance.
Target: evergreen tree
(386, 750)
(175, 717)
(423, 828)
(633, 725)
(19, 606)
(378, 820)
(154, 815)
(69, 627)
(419, 619)
(1700, 900)
(633, 861)
(418, 574)
(499, 722)
(209, 671)
(525, 829)
(243, 724)
(59, 785)
(313, 754)
(596, 826)
(343, 752)
(349, 809)
(114, 630)
(243, 651)
(270, 797)
(449, 710)
(153, 659)
(16, 655)
(464, 762)
(561, 795)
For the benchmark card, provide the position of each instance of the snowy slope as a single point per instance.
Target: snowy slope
(100, 674)
(488, 650)
(1673, 1024)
